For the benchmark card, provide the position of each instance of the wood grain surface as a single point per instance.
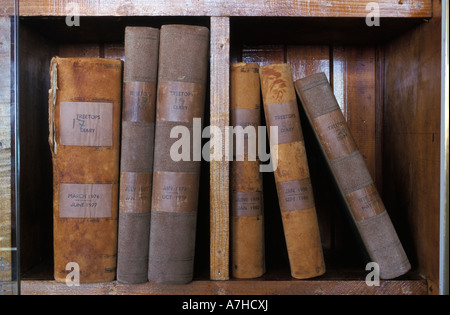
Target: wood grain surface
(308, 8)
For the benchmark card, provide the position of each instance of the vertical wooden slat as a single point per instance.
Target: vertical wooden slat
(5, 149)
(306, 60)
(354, 87)
(219, 176)
(353, 80)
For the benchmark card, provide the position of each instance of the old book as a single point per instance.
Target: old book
(247, 215)
(84, 138)
(295, 193)
(183, 61)
(136, 164)
(352, 176)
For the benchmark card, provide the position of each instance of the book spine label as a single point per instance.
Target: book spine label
(85, 201)
(247, 204)
(84, 124)
(352, 176)
(292, 177)
(182, 99)
(246, 190)
(139, 100)
(181, 95)
(136, 165)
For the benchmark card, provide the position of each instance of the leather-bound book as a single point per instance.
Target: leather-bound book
(136, 164)
(295, 193)
(84, 138)
(247, 215)
(352, 176)
(182, 74)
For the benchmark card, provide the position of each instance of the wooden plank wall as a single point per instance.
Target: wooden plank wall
(35, 52)
(411, 150)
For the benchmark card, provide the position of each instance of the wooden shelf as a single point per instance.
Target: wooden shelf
(241, 287)
(329, 36)
(271, 284)
(304, 8)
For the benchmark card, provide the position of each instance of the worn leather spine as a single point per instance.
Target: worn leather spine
(247, 215)
(84, 138)
(183, 60)
(292, 176)
(136, 165)
(352, 176)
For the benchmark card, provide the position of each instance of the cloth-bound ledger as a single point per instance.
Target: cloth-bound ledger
(136, 164)
(183, 61)
(84, 138)
(247, 215)
(295, 193)
(352, 176)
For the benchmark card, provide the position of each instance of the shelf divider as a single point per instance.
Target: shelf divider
(219, 176)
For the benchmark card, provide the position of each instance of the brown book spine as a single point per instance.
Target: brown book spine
(352, 176)
(183, 60)
(84, 119)
(292, 176)
(247, 230)
(136, 165)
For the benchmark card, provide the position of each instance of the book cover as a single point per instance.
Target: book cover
(247, 206)
(352, 176)
(84, 138)
(182, 75)
(136, 164)
(295, 192)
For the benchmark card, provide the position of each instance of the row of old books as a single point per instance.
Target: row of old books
(125, 209)
(280, 97)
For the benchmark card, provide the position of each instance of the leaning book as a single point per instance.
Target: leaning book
(352, 176)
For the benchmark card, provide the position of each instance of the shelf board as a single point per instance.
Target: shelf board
(306, 8)
(233, 287)
(338, 280)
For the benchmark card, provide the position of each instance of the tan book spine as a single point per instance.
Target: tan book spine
(84, 119)
(136, 164)
(352, 176)
(183, 61)
(247, 230)
(292, 176)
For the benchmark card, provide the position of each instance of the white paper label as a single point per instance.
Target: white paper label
(86, 124)
(85, 200)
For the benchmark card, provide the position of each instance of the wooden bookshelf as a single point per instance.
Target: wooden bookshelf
(387, 81)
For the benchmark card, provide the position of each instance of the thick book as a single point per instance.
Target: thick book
(84, 138)
(182, 75)
(292, 177)
(247, 214)
(352, 176)
(136, 161)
